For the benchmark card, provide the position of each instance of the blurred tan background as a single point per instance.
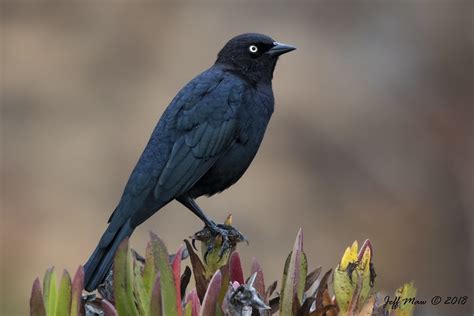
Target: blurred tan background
(371, 138)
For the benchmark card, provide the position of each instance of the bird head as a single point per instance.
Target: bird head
(253, 56)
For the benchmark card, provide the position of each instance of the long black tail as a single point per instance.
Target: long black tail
(101, 260)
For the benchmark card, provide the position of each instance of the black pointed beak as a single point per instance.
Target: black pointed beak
(280, 49)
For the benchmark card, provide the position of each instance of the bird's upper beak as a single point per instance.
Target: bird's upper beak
(280, 49)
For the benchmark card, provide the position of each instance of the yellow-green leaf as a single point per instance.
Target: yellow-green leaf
(352, 278)
(406, 293)
(142, 298)
(149, 271)
(50, 291)
(63, 304)
(123, 281)
(171, 306)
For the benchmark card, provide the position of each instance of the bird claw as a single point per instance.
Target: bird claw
(193, 242)
(218, 235)
(209, 249)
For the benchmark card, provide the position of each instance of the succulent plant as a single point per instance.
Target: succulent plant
(49, 300)
(353, 278)
(156, 285)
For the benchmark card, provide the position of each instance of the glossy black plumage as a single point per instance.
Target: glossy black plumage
(202, 144)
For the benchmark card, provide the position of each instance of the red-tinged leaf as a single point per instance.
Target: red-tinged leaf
(235, 268)
(209, 304)
(37, 307)
(156, 306)
(193, 306)
(50, 291)
(198, 270)
(177, 276)
(63, 304)
(225, 280)
(123, 281)
(259, 283)
(168, 288)
(108, 308)
(76, 289)
(294, 276)
(366, 244)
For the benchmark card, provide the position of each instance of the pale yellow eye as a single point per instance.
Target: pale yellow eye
(253, 49)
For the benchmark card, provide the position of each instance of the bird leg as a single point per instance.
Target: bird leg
(193, 207)
(228, 234)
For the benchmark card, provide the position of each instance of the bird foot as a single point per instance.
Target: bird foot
(224, 237)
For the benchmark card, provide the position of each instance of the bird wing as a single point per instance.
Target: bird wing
(203, 117)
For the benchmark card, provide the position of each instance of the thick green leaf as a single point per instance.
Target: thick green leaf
(294, 277)
(209, 304)
(355, 300)
(50, 291)
(36, 300)
(149, 271)
(283, 289)
(188, 309)
(63, 305)
(123, 281)
(141, 296)
(77, 287)
(406, 292)
(199, 271)
(156, 306)
(301, 273)
(168, 288)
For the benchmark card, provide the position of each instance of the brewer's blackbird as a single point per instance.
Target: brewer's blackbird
(203, 143)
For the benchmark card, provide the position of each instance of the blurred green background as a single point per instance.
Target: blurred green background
(371, 138)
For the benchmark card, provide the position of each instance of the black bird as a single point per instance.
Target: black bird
(202, 144)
